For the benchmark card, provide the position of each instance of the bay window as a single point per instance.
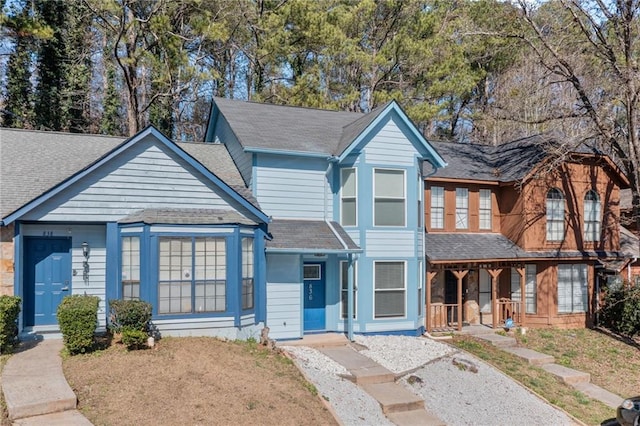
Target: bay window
(130, 268)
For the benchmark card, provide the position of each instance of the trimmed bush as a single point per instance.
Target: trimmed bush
(621, 310)
(78, 319)
(134, 339)
(129, 314)
(9, 311)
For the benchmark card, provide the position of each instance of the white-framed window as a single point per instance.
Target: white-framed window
(130, 268)
(390, 289)
(555, 215)
(192, 275)
(572, 288)
(437, 207)
(485, 208)
(348, 197)
(344, 289)
(462, 208)
(591, 216)
(390, 198)
(530, 287)
(248, 283)
(484, 284)
(311, 272)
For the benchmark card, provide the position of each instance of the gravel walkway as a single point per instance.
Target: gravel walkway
(477, 395)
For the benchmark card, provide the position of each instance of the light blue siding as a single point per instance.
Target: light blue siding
(295, 188)
(243, 160)
(284, 296)
(390, 244)
(146, 176)
(221, 327)
(390, 147)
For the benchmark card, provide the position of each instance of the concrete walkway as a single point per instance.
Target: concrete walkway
(35, 389)
(579, 380)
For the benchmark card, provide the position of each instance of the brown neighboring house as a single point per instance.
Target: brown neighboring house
(512, 233)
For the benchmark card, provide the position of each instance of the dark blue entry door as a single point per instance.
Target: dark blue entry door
(47, 278)
(314, 297)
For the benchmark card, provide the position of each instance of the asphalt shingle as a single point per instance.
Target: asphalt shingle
(308, 235)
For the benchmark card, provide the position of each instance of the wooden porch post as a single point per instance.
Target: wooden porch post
(494, 294)
(430, 276)
(460, 275)
(523, 299)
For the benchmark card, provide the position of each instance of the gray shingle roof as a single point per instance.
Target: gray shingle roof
(308, 235)
(34, 162)
(288, 128)
(186, 217)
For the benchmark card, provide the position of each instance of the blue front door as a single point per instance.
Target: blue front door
(47, 278)
(314, 297)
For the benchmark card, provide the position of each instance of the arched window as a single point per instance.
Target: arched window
(591, 216)
(555, 215)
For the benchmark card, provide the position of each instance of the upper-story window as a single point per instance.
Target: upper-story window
(462, 208)
(437, 207)
(485, 208)
(348, 197)
(555, 215)
(591, 216)
(389, 202)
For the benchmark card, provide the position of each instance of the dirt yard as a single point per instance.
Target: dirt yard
(193, 381)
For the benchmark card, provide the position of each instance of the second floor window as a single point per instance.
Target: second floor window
(389, 202)
(485, 209)
(462, 208)
(591, 216)
(555, 215)
(437, 207)
(348, 197)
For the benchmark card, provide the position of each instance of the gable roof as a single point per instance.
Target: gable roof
(34, 164)
(262, 127)
(508, 162)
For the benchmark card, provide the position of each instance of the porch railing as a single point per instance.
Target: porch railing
(508, 308)
(444, 316)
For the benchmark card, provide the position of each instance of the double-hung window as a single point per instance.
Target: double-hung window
(485, 208)
(348, 197)
(555, 215)
(572, 288)
(192, 275)
(389, 202)
(437, 207)
(530, 287)
(130, 268)
(390, 289)
(344, 285)
(462, 208)
(591, 216)
(248, 287)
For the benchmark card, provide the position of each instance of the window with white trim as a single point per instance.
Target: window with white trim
(484, 290)
(591, 216)
(390, 289)
(130, 268)
(437, 207)
(462, 208)
(248, 287)
(572, 288)
(389, 200)
(192, 275)
(344, 286)
(530, 287)
(485, 209)
(348, 197)
(555, 215)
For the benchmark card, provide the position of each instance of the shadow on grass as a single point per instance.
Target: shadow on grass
(618, 337)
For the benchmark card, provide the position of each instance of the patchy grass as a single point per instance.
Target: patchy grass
(4, 415)
(543, 383)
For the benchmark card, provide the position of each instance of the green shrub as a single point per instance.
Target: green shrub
(9, 311)
(621, 310)
(131, 314)
(134, 339)
(78, 319)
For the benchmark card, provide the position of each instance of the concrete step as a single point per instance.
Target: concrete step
(498, 340)
(568, 375)
(66, 418)
(415, 418)
(363, 370)
(394, 398)
(596, 392)
(531, 356)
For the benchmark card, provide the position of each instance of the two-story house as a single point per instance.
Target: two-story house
(345, 195)
(513, 232)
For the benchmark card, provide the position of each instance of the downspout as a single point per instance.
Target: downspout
(350, 300)
(427, 311)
